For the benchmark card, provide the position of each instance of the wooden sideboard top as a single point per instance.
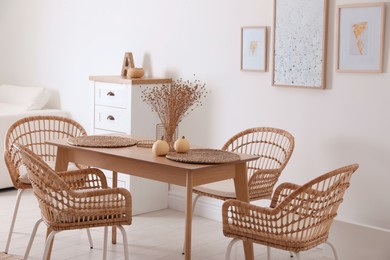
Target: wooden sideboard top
(125, 80)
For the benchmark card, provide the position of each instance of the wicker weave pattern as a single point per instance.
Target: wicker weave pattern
(299, 217)
(76, 199)
(33, 132)
(273, 146)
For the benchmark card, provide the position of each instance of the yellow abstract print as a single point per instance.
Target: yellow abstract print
(358, 29)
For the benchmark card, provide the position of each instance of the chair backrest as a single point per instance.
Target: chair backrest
(307, 213)
(53, 193)
(273, 146)
(33, 132)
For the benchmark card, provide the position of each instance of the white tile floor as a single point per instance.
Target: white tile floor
(156, 235)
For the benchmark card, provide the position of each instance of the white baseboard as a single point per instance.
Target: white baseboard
(205, 207)
(353, 241)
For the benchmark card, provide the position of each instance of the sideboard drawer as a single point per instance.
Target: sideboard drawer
(112, 119)
(113, 95)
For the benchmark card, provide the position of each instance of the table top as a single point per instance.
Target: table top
(144, 155)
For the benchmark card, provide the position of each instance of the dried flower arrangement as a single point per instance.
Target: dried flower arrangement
(173, 101)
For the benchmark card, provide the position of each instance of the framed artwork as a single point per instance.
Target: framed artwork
(253, 48)
(299, 46)
(360, 37)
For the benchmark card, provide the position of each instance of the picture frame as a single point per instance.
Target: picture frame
(360, 37)
(299, 45)
(254, 48)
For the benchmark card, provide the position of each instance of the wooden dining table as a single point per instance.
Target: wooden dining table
(141, 162)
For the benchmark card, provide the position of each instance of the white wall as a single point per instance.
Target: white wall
(58, 44)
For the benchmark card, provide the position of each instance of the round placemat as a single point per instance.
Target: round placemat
(206, 156)
(102, 141)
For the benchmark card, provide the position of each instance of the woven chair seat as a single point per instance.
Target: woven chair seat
(291, 244)
(104, 201)
(71, 219)
(223, 189)
(277, 229)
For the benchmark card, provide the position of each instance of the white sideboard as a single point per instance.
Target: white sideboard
(118, 108)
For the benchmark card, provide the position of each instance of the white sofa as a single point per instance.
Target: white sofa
(17, 102)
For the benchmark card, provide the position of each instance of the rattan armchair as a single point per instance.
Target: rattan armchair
(75, 200)
(298, 219)
(33, 132)
(273, 146)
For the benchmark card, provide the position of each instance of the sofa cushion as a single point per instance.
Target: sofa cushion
(30, 98)
(10, 109)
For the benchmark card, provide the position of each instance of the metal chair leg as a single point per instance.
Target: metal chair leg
(105, 243)
(48, 244)
(229, 248)
(333, 249)
(125, 243)
(298, 256)
(268, 253)
(193, 210)
(11, 229)
(32, 237)
(89, 238)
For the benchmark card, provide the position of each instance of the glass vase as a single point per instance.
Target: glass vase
(169, 134)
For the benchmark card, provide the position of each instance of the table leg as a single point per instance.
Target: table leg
(62, 160)
(114, 185)
(242, 193)
(188, 216)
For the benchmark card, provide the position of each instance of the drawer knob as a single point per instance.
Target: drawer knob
(111, 118)
(110, 94)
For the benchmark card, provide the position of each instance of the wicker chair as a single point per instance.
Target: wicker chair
(298, 219)
(273, 146)
(75, 200)
(33, 132)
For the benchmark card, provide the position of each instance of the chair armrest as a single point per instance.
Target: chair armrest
(245, 207)
(90, 178)
(282, 191)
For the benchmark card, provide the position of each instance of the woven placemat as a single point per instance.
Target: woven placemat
(102, 141)
(145, 143)
(206, 156)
